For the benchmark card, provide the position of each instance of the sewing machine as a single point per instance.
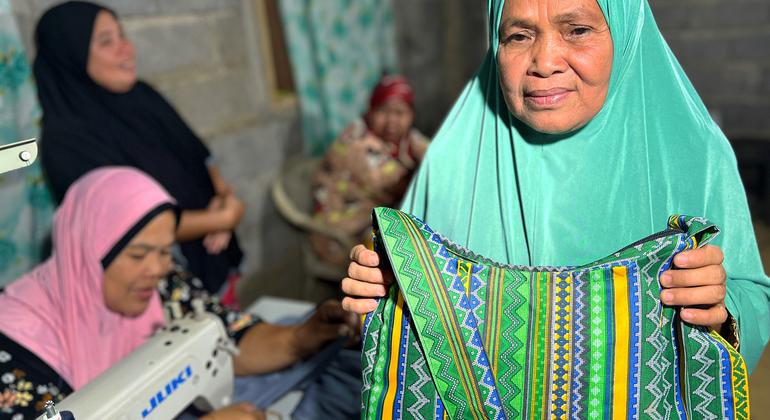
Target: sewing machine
(189, 361)
(17, 155)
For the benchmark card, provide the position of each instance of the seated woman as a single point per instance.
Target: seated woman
(96, 299)
(96, 113)
(369, 165)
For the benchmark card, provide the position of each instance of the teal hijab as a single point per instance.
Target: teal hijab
(653, 150)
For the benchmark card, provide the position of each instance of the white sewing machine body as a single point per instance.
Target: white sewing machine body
(189, 361)
(17, 155)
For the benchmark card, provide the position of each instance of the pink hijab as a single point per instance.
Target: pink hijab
(57, 311)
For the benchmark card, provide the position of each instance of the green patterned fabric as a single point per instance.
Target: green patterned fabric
(522, 197)
(338, 50)
(464, 337)
(25, 214)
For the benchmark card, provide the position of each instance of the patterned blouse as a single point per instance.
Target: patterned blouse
(360, 171)
(28, 382)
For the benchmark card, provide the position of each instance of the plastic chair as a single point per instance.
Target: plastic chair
(292, 194)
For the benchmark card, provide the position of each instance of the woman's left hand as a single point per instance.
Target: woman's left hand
(698, 285)
(217, 242)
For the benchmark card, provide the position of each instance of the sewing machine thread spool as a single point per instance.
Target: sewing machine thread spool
(199, 307)
(50, 411)
(173, 310)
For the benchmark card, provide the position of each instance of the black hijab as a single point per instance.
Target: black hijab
(86, 126)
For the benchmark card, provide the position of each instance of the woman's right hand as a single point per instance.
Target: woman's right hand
(365, 281)
(242, 411)
(217, 242)
(232, 210)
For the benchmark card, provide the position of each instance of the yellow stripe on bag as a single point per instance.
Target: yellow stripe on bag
(620, 369)
(395, 351)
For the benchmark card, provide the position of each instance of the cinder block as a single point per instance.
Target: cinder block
(765, 84)
(755, 46)
(691, 51)
(214, 103)
(747, 120)
(171, 44)
(671, 16)
(187, 6)
(230, 38)
(266, 144)
(710, 15)
(739, 80)
(121, 7)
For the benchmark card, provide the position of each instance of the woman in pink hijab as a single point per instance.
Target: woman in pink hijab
(96, 298)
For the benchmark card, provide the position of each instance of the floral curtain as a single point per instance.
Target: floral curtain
(338, 50)
(25, 204)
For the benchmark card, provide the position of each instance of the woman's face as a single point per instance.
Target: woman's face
(555, 59)
(132, 277)
(111, 58)
(391, 121)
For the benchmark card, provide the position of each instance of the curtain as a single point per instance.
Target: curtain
(338, 50)
(25, 204)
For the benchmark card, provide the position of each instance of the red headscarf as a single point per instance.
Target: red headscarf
(392, 86)
(57, 311)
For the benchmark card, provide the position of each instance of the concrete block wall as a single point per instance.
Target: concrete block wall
(724, 46)
(440, 43)
(206, 57)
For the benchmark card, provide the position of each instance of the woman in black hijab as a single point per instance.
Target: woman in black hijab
(96, 113)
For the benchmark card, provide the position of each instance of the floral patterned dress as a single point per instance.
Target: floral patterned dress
(360, 171)
(27, 382)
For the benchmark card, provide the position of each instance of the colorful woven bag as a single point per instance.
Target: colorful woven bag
(463, 337)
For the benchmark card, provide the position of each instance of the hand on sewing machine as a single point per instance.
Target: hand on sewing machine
(365, 280)
(329, 322)
(268, 347)
(242, 411)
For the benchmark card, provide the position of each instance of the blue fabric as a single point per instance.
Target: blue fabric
(330, 381)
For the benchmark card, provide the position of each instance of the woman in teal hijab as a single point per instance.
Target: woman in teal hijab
(579, 134)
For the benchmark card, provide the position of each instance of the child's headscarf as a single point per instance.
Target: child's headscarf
(389, 87)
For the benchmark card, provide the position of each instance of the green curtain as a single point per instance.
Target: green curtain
(25, 204)
(338, 50)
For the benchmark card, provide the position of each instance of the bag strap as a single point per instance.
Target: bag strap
(699, 230)
(467, 388)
